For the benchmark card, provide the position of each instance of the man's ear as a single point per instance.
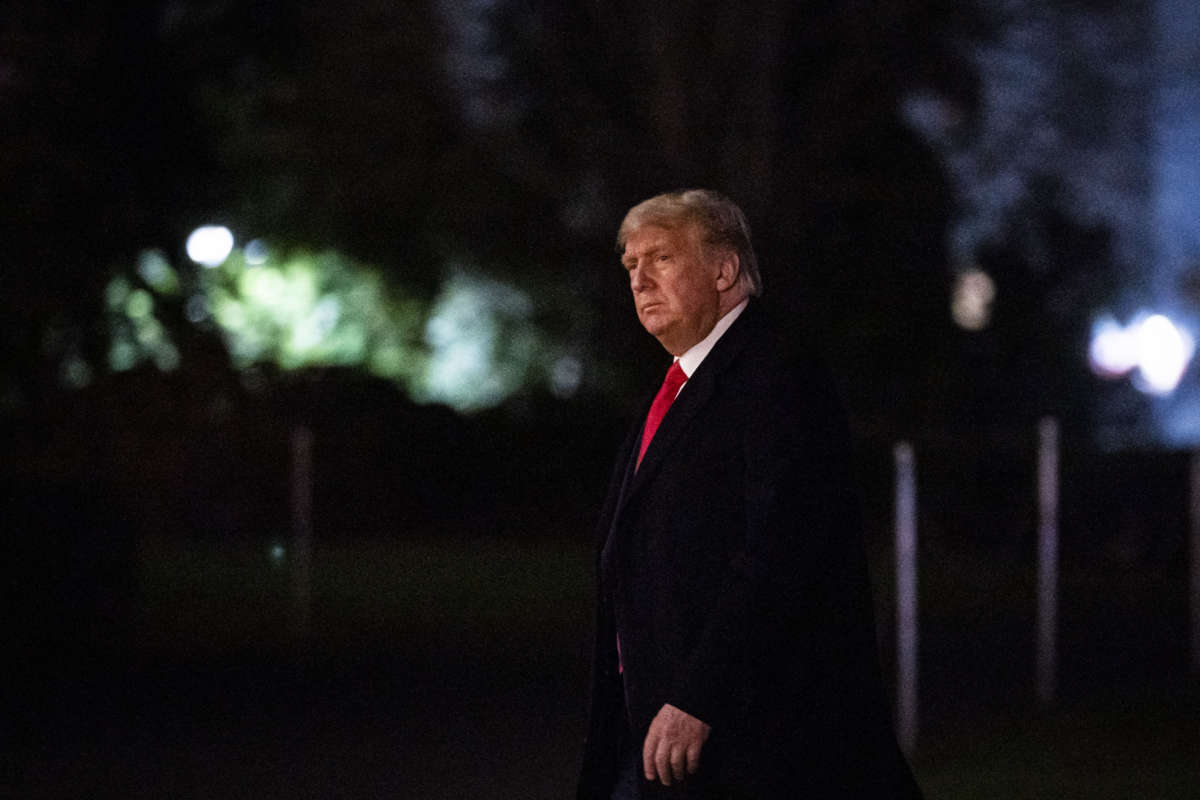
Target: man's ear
(731, 270)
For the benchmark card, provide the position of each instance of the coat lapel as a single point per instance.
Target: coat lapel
(680, 420)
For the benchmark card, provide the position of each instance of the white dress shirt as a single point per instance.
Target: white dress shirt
(690, 361)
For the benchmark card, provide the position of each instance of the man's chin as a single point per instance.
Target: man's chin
(653, 320)
(668, 341)
(656, 328)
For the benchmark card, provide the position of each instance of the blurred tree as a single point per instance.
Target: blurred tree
(1066, 95)
(413, 135)
(1052, 170)
(98, 154)
(790, 109)
(333, 134)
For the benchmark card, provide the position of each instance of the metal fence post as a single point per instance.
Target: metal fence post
(302, 529)
(1195, 565)
(1047, 559)
(906, 597)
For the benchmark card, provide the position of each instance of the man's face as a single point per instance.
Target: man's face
(675, 284)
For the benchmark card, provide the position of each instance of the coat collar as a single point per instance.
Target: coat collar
(694, 397)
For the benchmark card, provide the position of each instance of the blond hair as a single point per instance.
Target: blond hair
(721, 222)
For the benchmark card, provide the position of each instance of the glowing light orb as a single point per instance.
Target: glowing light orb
(210, 245)
(1152, 347)
(1164, 352)
(1114, 350)
(972, 304)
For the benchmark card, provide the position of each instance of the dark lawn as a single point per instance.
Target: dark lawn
(456, 668)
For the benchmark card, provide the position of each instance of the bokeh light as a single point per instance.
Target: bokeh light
(472, 348)
(1113, 351)
(139, 304)
(971, 306)
(256, 252)
(210, 245)
(481, 343)
(1152, 348)
(565, 377)
(1164, 351)
(122, 355)
(196, 309)
(156, 271)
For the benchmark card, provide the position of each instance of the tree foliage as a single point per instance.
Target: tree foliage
(514, 136)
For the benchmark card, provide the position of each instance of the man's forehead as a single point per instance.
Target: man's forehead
(652, 236)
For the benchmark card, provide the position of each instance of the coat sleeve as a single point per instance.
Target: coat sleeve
(786, 579)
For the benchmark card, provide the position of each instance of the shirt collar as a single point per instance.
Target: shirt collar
(689, 362)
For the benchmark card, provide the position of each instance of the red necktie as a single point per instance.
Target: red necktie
(658, 409)
(662, 401)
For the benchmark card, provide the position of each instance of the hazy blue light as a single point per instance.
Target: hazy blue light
(210, 245)
(256, 252)
(277, 553)
(474, 62)
(1176, 140)
(122, 355)
(196, 308)
(156, 271)
(1100, 102)
(929, 114)
(565, 377)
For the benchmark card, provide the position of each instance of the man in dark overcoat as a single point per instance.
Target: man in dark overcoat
(735, 653)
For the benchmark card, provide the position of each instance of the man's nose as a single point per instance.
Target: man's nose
(637, 279)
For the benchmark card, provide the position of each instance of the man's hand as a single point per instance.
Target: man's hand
(672, 748)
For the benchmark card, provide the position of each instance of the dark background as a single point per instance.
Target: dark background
(156, 641)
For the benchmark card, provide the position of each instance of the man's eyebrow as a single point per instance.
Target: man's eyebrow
(649, 251)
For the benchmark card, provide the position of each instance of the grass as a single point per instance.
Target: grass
(499, 625)
(1144, 747)
(427, 594)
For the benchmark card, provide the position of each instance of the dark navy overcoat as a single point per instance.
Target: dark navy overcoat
(734, 574)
